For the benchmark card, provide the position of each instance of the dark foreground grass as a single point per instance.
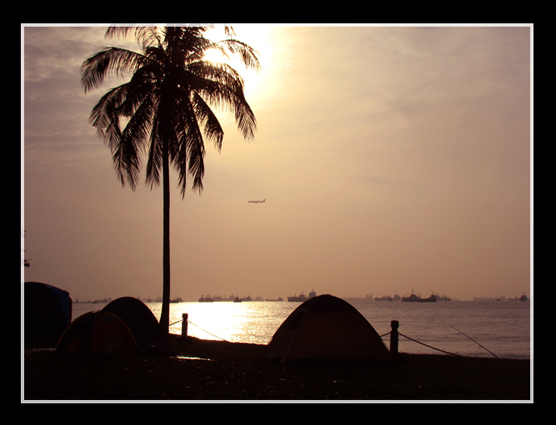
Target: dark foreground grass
(218, 370)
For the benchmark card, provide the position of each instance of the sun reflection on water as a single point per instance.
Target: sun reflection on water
(235, 322)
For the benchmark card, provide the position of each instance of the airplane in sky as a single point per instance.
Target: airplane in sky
(257, 202)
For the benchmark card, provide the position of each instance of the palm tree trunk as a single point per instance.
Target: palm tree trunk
(165, 313)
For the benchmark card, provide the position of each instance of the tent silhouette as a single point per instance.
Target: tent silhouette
(326, 328)
(47, 314)
(123, 327)
(97, 333)
(142, 323)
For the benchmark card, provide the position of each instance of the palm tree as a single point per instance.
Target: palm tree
(164, 111)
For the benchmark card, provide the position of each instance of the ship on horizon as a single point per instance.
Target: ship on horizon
(414, 298)
(302, 297)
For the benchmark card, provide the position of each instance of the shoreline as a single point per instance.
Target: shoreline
(207, 370)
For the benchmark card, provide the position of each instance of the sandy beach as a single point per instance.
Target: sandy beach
(203, 370)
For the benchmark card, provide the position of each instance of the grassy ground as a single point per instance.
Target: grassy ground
(236, 372)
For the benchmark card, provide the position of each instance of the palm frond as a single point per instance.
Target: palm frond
(140, 123)
(225, 90)
(105, 112)
(125, 155)
(208, 120)
(248, 55)
(189, 150)
(127, 162)
(149, 35)
(154, 162)
(118, 105)
(109, 62)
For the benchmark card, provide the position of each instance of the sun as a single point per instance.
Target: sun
(258, 36)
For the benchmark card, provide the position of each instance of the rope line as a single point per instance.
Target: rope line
(418, 342)
(475, 342)
(387, 333)
(438, 349)
(443, 351)
(204, 330)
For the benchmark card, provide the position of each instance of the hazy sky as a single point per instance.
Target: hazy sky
(391, 158)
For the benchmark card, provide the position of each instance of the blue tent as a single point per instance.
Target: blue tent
(47, 313)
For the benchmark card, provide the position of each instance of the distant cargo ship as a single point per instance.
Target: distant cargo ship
(216, 298)
(240, 300)
(502, 298)
(302, 297)
(443, 298)
(481, 298)
(388, 298)
(206, 299)
(415, 299)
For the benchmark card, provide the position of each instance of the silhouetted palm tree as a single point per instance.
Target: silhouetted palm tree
(164, 111)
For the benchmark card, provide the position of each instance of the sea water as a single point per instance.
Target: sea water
(468, 328)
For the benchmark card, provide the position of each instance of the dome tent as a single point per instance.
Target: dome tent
(142, 323)
(47, 313)
(97, 333)
(123, 327)
(326, 328)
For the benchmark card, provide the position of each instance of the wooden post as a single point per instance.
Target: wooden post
(394, 338)
(184, 317)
